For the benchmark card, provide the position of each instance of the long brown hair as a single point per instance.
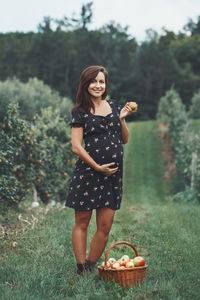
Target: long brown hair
(83, 101)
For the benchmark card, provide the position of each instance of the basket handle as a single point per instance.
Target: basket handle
(118, 243)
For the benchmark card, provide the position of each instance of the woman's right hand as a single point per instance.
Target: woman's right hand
(106, 170)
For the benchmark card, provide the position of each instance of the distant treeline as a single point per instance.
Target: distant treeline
(143, 72)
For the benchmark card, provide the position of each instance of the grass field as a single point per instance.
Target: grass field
(42, 266)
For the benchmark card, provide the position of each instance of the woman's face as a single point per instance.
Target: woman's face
(97, 86)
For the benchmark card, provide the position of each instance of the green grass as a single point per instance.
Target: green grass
(42, 265)
(143, 166)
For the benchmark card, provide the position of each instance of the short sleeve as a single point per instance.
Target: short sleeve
(77, 119)
(118, 106)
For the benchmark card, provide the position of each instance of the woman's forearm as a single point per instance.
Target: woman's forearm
(83, 154)
(124, 131)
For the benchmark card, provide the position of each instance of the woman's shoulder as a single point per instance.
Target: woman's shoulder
(76, 109)
(115, 103)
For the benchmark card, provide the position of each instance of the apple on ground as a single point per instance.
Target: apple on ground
(139, 261)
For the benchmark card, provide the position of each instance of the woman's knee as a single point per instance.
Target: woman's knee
(82, 225)
(82, 221)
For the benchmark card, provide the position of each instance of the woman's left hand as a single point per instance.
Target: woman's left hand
(127, 110)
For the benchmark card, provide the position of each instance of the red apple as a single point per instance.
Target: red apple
(111, 261)
(116, 265)
(122, 268)
(124, 259)
(139, 261)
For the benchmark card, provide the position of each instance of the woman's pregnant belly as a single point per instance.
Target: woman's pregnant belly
(106, 151)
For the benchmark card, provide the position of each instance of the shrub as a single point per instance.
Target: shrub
(38, 155)
(187, 195)
(194, 111)
(16, 149)
(54, 147)
(184, 142)
(31, 97)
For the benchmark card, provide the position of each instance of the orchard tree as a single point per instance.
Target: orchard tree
(52, 136)
(31, 97)
(194, 111)
(17, 155)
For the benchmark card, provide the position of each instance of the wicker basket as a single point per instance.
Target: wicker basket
(126, 277)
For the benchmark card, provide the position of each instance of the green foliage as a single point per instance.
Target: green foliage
(172, 111)
(192, 27)
(31, 97)
(54, 148)
(38, 155)
(61, 49)
(186, 54)
(165, 105)
(194, 111)
(184, 142)
(16, 149)
(187, 160)
(188, 195)
(166, 233)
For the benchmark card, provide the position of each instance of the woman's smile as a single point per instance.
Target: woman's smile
(97, 86)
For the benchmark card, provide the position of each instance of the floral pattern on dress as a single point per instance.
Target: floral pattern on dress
(90, 189)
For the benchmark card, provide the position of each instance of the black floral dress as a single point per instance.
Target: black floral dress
(90, 189)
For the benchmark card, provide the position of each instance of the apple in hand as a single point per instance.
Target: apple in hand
(139, 261)
(133, 105)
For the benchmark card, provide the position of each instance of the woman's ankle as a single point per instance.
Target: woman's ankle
(90, 264)
(81, 268)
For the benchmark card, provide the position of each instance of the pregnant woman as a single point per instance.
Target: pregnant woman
(97, 177)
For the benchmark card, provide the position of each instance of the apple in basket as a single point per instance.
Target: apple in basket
(124, 259)
(111, 261)
(139, 261)
(130, 264)
(116, 265)
(107, 265)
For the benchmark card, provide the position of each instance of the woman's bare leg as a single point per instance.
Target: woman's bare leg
(79, 235)
(104, 220)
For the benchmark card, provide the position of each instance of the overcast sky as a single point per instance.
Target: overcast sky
(139, 15)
